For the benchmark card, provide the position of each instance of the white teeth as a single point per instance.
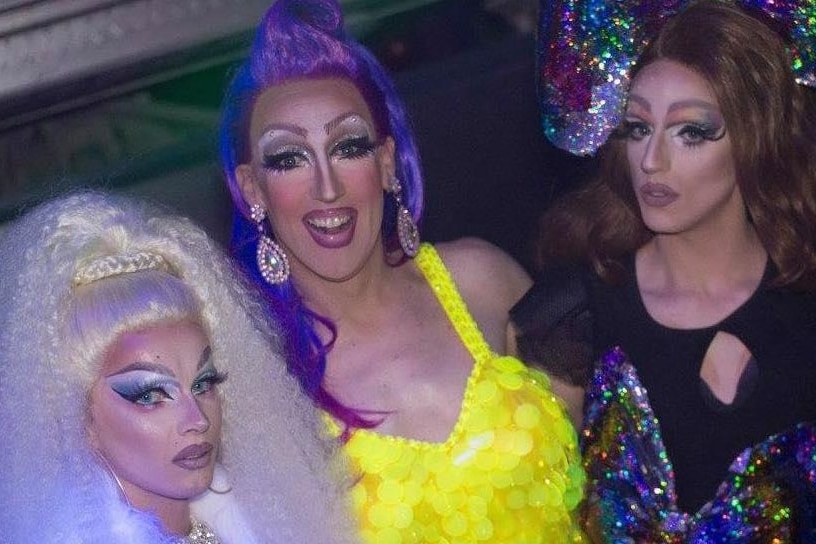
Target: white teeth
(330, 222)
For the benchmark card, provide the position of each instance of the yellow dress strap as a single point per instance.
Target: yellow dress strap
(438, 277)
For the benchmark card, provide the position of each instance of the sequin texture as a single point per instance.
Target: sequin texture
(199, 534)
(586, 49)
(508, 473)
(769, 494)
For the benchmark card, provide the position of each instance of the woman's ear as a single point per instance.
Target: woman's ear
(247, 185)
(388, 164)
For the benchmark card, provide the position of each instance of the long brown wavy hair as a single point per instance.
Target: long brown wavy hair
(772, 122)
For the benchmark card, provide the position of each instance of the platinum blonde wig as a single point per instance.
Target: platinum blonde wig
(99, 311)
(286, 478)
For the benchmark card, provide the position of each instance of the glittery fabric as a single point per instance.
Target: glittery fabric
(508, 473)
(768, 496)
(199, 534)
(586, 49)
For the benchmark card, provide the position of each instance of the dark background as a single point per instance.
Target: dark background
(466, 70)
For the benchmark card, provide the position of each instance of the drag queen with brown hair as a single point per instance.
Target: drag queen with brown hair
(687, 266)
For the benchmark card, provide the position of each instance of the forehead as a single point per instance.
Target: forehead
(307, 102)
(173, 345)
(668, 81)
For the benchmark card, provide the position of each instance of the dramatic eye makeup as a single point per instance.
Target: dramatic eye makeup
(149, 384)
(697, 132)
(632, 129)
(353, 136)
(208, 377)
(283, 149)
(691, 131)
(144, 387)
(284, 158)
(353, 147)
(691, 125)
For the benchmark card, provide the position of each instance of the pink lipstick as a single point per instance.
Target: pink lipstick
(657, 195)
(332, 228)
(194, 457)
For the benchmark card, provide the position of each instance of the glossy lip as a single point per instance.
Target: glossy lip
(194, 457)
(331, 228)
(657, 195)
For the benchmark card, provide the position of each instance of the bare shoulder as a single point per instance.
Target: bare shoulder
(479, 267)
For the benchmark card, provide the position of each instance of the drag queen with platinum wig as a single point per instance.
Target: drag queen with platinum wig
(143, 395)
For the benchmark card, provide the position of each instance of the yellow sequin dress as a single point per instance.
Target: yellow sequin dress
(508, 473)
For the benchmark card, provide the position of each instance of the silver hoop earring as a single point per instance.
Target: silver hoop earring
(272, 261)
(109, 469)
(406, 227)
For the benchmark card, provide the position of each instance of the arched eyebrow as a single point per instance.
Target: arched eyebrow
(331, 125)
(206, 355)
(145, 366)
(640, 101)
(693, 103)
(161, 369)
(284, 127)
(679, 105)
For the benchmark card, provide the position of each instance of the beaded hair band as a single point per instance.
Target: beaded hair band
(586, 49)
(114, 265)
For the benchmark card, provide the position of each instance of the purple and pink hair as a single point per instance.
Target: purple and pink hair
(305, 39)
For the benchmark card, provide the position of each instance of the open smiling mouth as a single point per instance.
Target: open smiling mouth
(330, 225)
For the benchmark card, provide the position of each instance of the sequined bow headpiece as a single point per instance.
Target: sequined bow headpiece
(586, 49)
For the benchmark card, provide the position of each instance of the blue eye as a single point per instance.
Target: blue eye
(145, 396)
(207, 382)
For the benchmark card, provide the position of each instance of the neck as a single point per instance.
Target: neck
(368, 288)
(705, 262)
(173, 513)
(366, 306)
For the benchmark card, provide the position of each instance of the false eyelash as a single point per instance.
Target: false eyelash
(133, 392)
(363, 146)
(706, 131)
(276, 161)
(214, 378)
(211, 379)
(625, 129)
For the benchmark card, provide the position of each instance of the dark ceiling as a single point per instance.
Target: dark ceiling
(116, 90)
(125, 95)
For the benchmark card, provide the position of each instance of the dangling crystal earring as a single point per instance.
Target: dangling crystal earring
(271, 259)
(406, 228)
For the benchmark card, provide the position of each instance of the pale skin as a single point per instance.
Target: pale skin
(155, 418)
(395, 352)
(705, 259)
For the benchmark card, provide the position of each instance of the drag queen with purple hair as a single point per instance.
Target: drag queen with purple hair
(693, 250)
(142, 393)
(401, 343)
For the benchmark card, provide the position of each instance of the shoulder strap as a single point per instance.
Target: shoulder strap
(438, 277)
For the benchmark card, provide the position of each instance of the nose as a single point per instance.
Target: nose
(327, 185)
(192, 417)
(655, 157)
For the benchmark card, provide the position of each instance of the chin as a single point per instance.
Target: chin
(661, 225)
(194, 486)
(189, 492)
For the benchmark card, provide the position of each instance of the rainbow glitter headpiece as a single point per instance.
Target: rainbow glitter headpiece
(586, 49)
